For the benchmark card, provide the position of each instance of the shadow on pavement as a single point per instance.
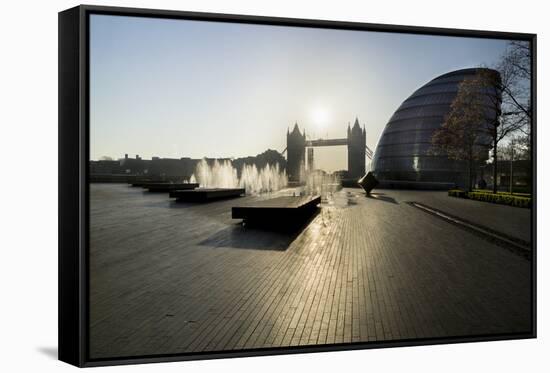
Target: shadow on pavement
(258, 236)
(382, 197)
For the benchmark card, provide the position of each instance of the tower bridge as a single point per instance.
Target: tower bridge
(326, 142)
(356, 141)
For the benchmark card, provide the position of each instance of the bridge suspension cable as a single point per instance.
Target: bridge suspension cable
(368, 152)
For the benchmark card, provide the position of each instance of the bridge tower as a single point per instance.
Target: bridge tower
(357, 141)
(295, 151)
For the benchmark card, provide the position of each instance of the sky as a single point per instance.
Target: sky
(179, 88)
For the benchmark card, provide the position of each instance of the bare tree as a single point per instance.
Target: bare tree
(493, 104)
(515, 69)
(463, 135)
(517, 148)
(518, 145)
(508, 93)
(523, 147)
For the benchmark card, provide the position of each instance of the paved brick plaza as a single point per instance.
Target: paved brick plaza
(172, 278)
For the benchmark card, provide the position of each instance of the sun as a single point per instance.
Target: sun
(320, 117)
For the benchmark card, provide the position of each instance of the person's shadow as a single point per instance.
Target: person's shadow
(50, 352)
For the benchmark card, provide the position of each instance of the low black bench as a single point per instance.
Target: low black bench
(140, 182)
(279, 211)
(168, 187)
(206, 194)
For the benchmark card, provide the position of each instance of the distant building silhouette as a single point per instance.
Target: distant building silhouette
(357, 141)
(175, 169)
(296, 151)
(133, 165)
(106, 167)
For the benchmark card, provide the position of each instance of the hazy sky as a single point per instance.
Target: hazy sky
(175, 88)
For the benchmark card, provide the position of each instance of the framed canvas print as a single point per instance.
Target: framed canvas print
(235, 185)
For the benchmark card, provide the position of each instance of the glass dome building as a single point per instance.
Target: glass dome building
(402, 157)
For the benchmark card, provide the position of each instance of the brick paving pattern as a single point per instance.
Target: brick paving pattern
(173, 278)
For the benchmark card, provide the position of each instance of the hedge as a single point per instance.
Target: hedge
(504, 199)
(500, 198)
(457, 193)
(501, 192)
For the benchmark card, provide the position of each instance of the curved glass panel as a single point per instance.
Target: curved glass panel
(403, 151)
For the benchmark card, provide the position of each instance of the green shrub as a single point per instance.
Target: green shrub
(502, 192)
(457, 193)
(501, 198)
(504, 198)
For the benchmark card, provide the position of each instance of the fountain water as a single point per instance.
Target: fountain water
(268, 179)
(222, 174)
(320, 183)
(218, 175)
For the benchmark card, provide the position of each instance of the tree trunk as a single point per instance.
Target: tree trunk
(469, 171)
(482, 176)
(511, 176)
(469, 184)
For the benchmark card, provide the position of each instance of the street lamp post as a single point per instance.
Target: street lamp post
(512, 167)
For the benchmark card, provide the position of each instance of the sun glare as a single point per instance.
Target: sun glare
(320, 117)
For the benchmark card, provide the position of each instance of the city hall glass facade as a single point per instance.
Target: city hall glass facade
(402, 154)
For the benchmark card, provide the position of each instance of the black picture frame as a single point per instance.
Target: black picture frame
(74, 190)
